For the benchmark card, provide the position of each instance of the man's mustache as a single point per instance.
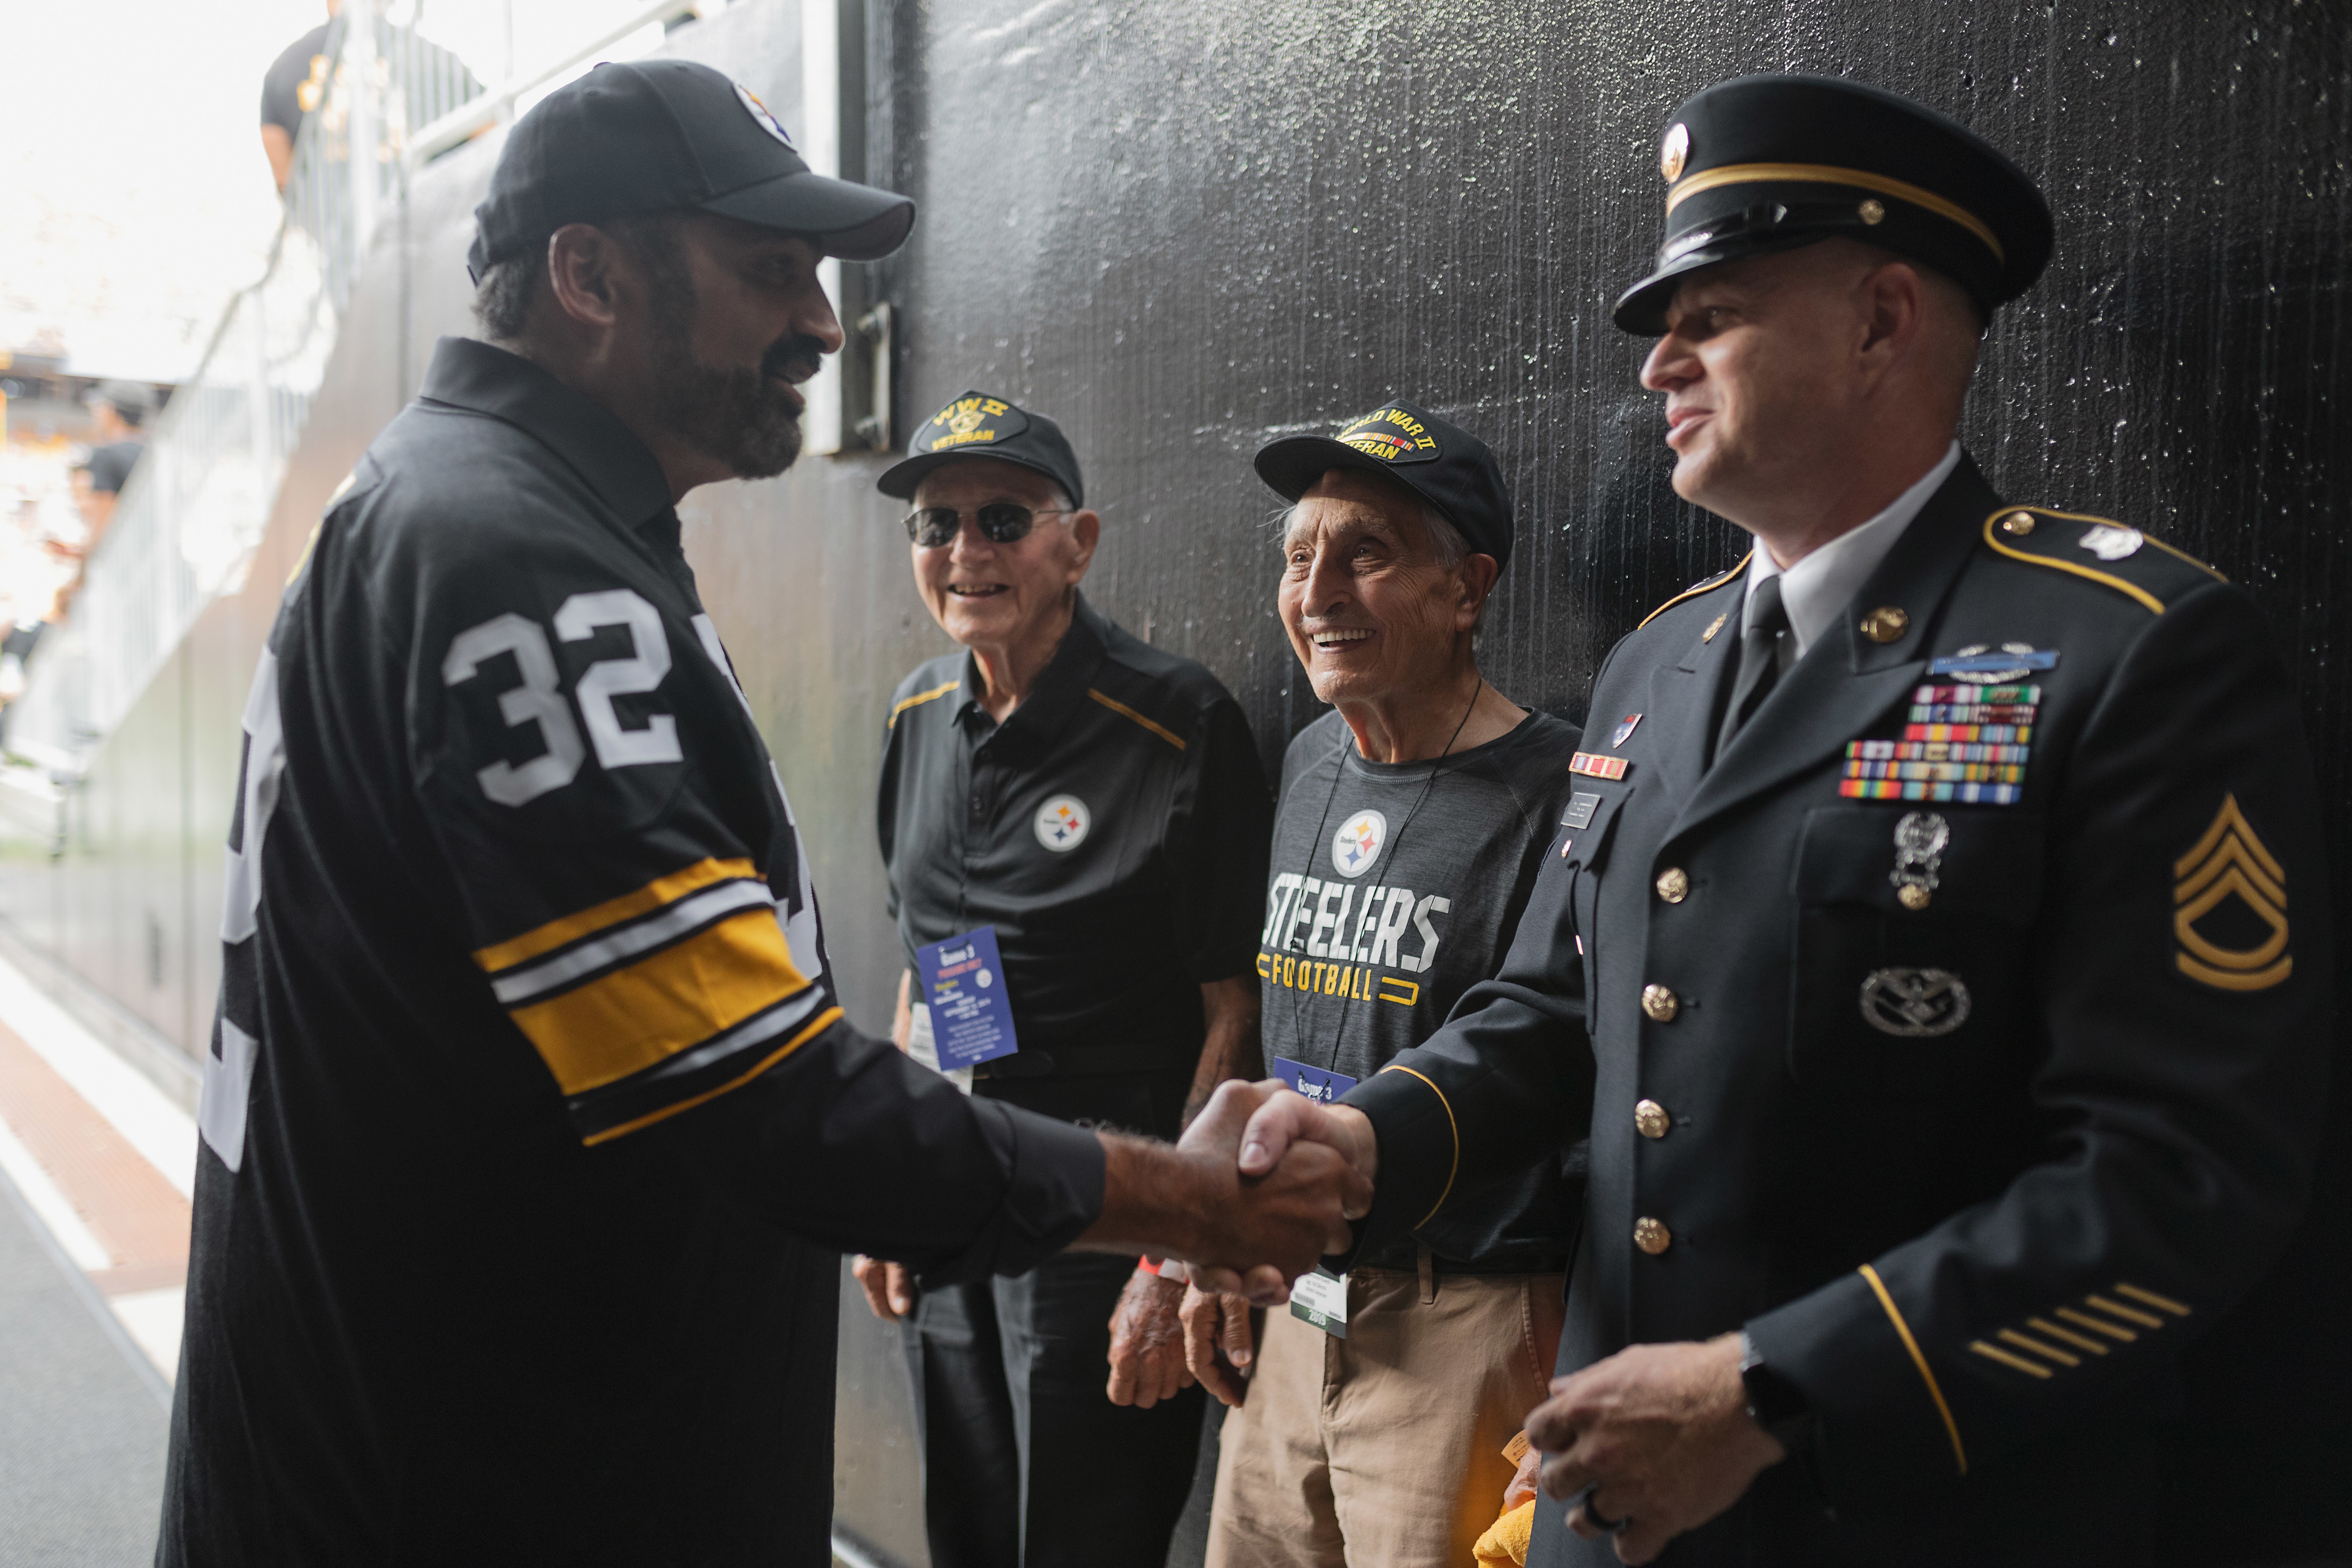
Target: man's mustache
(795, 358)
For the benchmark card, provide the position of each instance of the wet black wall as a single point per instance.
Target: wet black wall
(1182, 229)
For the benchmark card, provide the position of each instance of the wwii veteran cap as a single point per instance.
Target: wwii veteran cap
(1768, 163)
(643, 135)
(974, 424)
(1443, 464)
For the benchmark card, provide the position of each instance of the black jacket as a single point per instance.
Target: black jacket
(1971, 1168)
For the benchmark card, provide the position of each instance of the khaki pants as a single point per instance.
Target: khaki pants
(1384, 1449)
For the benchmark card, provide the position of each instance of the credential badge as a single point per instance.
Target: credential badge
(1357, 843)
(1919, 841)
(1915, 1004)
(1061, 822)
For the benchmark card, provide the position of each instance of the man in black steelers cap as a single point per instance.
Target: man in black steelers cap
(1095, 805)
(533, 1130)
(1410, 825)
(1942, 915)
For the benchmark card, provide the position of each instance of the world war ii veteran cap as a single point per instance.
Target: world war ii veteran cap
(1443, 464)
(1770, 163)
(643, 135)
(975, 424)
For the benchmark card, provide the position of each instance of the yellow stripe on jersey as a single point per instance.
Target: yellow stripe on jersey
(611, 912)
(824, 1020)
(635, 1017)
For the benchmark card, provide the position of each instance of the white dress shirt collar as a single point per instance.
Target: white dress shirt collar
(1817, 589)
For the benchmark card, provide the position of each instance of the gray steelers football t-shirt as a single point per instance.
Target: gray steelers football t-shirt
(1394, 888)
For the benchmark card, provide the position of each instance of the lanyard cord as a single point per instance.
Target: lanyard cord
(1338, 767)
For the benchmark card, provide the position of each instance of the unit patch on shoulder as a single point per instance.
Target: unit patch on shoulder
(971, 420)
(2243, 948)
(1391, 435)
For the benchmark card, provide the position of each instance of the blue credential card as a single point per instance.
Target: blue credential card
(1318, 1084)
(971, 1019)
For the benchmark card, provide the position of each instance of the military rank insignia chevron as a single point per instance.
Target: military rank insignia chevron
(2230, 862)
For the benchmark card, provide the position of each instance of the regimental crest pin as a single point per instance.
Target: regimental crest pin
(2240, 949)
(1357, 843)
(1624, 731)
(2112, 541)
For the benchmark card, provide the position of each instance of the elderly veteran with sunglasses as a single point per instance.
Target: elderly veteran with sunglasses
(1090, 811)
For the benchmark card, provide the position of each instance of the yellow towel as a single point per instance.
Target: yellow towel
(1505, 1545)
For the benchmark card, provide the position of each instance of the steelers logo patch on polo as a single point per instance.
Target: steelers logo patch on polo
(1357, 843)
(971, 420)
(1393, 436)
(1061, 822)
(759, 112)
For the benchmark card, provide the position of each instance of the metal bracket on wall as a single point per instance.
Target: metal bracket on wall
(874, 329)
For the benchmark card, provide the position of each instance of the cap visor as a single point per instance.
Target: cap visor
(1642, 309)
(856, 223)
(1291, 466)
(900, 478)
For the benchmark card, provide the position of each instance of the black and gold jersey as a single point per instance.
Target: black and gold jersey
(514, 888)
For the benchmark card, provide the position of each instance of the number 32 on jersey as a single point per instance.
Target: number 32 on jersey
(539, 703)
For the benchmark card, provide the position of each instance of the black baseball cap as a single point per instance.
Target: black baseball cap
(642, 136)
(1770, 163)
(976, 425)
(1443, 464)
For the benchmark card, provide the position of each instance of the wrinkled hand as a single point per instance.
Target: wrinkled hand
(1147, 1354)
(1285, 1125)
(1216, 1323)
(889, 1289)
(1523, 1480)
(1661, 1435)
(1279, 1213)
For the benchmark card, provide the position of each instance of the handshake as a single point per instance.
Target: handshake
(1261, 1186)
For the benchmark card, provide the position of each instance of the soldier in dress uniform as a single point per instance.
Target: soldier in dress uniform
(1944, 913)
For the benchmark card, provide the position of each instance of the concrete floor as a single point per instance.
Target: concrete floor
(82, 1416)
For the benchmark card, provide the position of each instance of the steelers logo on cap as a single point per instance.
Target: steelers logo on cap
(759, 112)
(970, 421)
(1393, 436)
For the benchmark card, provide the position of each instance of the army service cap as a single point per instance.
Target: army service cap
(1770, 163)
(644, 136)
(976, 425)
(1443, 464)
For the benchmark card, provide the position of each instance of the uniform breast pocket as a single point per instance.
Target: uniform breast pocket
(1910, 949)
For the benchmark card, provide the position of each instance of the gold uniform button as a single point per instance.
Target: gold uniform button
(1650, 1118)
(1660, 1003)
(1673, 884)
(2020, 523)
(1885, 624)
(1912, 895)
(1872, 211)
(1652, 1236)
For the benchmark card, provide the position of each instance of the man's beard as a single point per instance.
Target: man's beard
(735, 414)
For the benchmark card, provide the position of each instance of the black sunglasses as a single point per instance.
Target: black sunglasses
(1000, 523)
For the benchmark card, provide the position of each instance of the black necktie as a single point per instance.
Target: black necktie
(1765, 648)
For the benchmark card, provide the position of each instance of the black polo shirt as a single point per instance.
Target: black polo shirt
(531, 1131)
(1113, 830)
